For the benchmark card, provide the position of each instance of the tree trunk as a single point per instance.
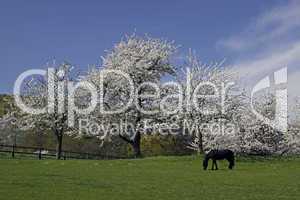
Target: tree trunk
(200, 144)
(136, 145)
(136, 141)
(59, 146)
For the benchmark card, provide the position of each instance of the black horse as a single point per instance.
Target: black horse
(219, 155)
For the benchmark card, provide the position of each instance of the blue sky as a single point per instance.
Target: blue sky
(245, 32)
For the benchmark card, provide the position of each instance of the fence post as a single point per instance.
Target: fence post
(40, 154)
(13, 151)
(64, 155)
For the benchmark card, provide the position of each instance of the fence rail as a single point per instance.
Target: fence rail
(41, 153)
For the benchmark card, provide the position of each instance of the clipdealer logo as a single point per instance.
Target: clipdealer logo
(69, 88)
(281, 95)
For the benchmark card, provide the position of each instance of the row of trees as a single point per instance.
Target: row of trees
(145, 59)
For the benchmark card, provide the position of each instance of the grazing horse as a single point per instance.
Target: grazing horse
(219, 155)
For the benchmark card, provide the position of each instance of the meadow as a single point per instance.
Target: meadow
(148, 178)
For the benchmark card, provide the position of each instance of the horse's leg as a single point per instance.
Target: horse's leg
(216, 165)
(213, 164)
(231, 162)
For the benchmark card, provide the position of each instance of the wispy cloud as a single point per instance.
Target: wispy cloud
(273, 60)
(281, 22)
(270, 42)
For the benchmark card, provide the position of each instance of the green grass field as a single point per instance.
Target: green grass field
(149, 178)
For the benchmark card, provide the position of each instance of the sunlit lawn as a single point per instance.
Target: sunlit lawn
(149, 178)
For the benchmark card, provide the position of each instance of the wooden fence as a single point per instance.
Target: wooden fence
(43, 153)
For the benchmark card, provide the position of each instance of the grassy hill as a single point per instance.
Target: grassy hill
(151, 178)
